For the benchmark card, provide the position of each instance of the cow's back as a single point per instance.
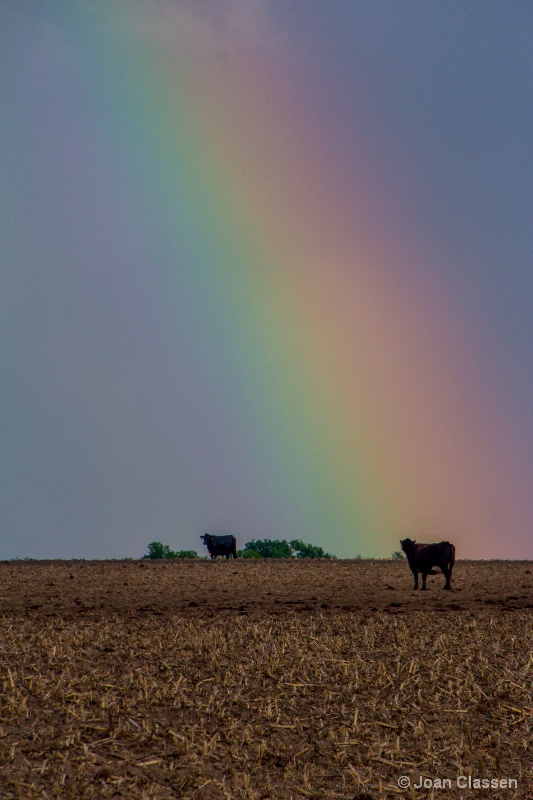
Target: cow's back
(225, 545)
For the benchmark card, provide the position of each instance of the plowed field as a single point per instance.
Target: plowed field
(264, 679)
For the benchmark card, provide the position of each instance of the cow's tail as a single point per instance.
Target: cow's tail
(451, 556)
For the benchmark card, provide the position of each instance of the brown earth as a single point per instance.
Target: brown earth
(264, 679)
(203, 587)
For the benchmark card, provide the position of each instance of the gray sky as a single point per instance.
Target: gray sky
(140, 400)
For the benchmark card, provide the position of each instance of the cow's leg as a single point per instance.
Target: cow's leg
(415, 573)
(424, 576)
(447, 575)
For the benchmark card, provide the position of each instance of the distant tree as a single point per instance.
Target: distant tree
(281, 548)
(159, 550)
(398, 555)
(186, 554)
(248, 553)
(302, 550)
(268, 548)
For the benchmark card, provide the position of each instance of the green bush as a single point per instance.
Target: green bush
(302, 550)
(281, 548)
(268, 548)
(249, 553)
(398, 555)
(159, 550)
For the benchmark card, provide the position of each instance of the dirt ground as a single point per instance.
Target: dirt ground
(204, 587)
(260, 680)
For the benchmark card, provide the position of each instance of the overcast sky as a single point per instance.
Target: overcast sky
(120, 419)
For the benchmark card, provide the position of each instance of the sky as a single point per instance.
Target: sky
(266, 269)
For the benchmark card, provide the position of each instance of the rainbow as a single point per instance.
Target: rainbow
(338, 349)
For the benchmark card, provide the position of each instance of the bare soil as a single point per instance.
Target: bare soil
(264, 679)
(203, 587)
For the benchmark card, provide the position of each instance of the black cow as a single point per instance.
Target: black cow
(422, 557)
(220, 545)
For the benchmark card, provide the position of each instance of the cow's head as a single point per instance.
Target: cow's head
(407, 545)
(205, 538)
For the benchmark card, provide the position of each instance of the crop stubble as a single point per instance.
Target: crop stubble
(261, 679)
